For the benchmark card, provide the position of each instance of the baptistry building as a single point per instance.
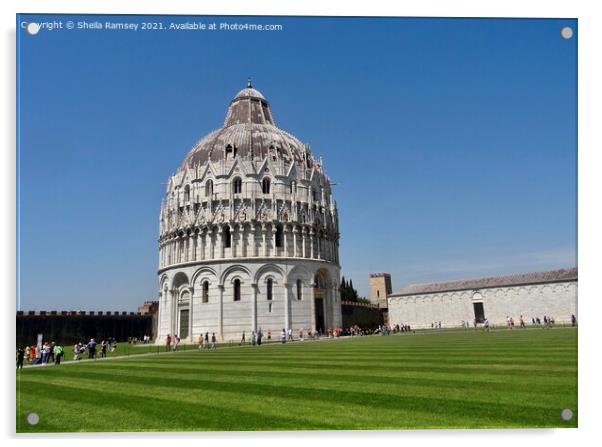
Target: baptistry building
(249, 233)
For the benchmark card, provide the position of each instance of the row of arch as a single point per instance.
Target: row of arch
(236, 185)
(248, 240)
(268, 272)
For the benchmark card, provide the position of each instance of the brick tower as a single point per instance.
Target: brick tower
(380, 287)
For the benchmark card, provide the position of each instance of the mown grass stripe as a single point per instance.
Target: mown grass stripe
(446, 379)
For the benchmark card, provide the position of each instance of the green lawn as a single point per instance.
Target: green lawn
(445, 379)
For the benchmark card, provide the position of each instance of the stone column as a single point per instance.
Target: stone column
(201, 250)
(311, 243)
(191, 241)
(304, 234)
(243, 241)
(255, 247)
(274, 251)
(254, 308)
(287, 306)
(190, 315)
(284, 240)
(335, 304)
(220, 242)
(234, 238)
(220, 312)
(174, 311)
(295, 230)
(319, 239)
(312, 305)
(264, 232)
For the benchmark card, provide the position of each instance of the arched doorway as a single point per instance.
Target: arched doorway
(321, 301)
(181, 317)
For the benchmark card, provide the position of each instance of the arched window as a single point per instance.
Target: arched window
(230, 152)
(205, 291)
(299, 290)
(278, 236)
(227, 237)
(270, 289)
(209, 188)
(378, 294)
(265, 185)
(237, 290)
(315, 195)
(187, 193)
(237, 185)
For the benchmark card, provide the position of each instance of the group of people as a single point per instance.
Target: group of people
(548, 322)
(79, 349)
(48, 352)
(256, 337)
(52, 352)
(171, 343)
(135, 340)
(207, 342)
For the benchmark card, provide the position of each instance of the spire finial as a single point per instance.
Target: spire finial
(249, 83)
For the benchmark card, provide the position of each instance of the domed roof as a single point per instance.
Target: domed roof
(249, 92)
(249, 132)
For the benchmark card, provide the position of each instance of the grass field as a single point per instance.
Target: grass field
(446, 379)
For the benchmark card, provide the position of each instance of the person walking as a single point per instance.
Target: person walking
(259, 335)
(103, 349)
(283, 335)
(20, 357)
(92, 349)
(253, 338)
(168, 343)
(58, 353)
(32, 354)
(269, 334)
(51, 353)
(44, 354)
(213, 340)
(242, 340)
(207, 339)
(573, 320)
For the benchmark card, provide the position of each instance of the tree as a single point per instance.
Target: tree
(348, 293)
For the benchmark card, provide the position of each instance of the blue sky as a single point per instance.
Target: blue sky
(452, 143)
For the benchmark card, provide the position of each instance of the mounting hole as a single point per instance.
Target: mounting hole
(33, 418)
(33, 28)
(566, 414)
(566, 32)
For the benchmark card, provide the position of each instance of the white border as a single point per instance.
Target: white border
(590, 74)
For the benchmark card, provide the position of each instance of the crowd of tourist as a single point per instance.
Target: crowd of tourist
(52, 352)
(49, 352)
(146, 339)
(546, 322)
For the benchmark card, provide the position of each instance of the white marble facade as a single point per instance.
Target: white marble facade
(248, 233)
(421, 306)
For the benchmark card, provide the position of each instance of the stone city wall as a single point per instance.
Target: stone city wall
(366, 316)
(73, 326)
